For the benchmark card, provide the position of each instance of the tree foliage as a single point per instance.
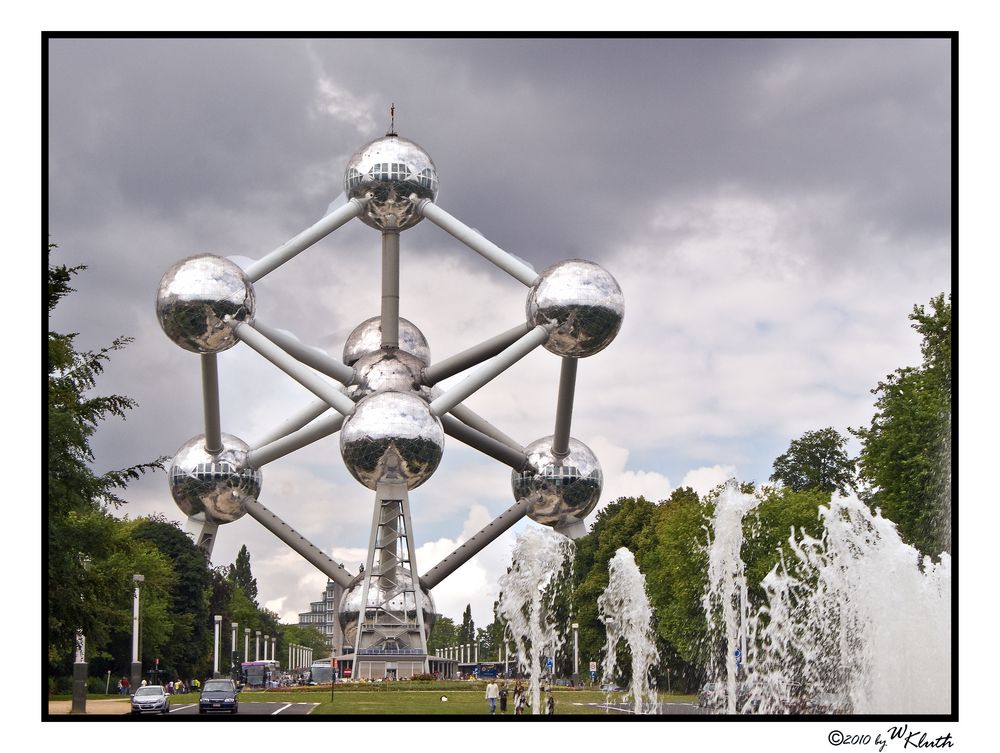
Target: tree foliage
(241, 575)
(84, 592)
(905, 457)
(816, 460)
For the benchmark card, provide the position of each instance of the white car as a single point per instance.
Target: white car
(151, 699)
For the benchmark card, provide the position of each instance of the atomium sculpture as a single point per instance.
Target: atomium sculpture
(381, 397)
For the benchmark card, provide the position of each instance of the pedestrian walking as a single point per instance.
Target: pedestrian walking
(518, 699)
(492, 694)
(503, 698)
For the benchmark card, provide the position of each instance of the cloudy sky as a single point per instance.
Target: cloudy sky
(772, 208)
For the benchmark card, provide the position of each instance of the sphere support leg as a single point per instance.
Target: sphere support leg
(304, 354)
(564, 407)
(474, 355)
(210, 395)
(390, 287)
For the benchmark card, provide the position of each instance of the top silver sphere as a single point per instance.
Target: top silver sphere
(583, 302)
(201, 299)
(560, 490)
(367, 338)
(392, 435)
(394, 174)
(216, 485)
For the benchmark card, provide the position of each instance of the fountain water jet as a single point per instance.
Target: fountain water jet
(855, 613)
(540, 568)
(627, 615)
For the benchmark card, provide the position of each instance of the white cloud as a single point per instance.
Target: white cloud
(703, 480)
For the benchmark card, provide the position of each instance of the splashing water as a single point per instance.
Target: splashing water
(855, 614)
(625, 611)
(540, 568)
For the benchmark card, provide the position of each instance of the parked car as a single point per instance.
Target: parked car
(219, 695)
(828, 703)
(612, 688)
(151, 699)
(712, 695)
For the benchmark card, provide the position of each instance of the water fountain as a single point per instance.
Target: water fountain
(540, 568)
(855, 614)
(628, 617)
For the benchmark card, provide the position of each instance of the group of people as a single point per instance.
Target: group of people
(169, 687)
(497, 695)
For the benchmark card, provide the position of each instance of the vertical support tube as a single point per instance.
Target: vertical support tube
(210, 393)
(390, 285)
(246, 644)
(564, 408)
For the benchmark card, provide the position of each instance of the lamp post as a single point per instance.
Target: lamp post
(135, 674)
(576, 649)
(256, 650)
(79, 703)
(215, 653)
(246, 644)
(232, 652)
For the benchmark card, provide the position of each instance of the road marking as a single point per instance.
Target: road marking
(181, 708)
(281, 709)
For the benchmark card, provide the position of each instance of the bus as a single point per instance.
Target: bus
(257, 674)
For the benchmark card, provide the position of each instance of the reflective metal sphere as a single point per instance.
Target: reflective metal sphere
(395, 174)
(350, 606)
(195, 297)
(583, 301)
(392, 434)
(386, 369)
(216, 485)
(560, 490)
(367, 338)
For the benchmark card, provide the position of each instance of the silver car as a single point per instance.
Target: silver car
(151, 699)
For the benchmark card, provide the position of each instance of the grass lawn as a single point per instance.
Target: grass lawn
(429, 703)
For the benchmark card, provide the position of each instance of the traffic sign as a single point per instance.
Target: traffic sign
(593, 667)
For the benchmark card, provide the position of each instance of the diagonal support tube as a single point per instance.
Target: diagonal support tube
(308, 379)
(564, 407)
(210, 395)
(333, 570)
(295, 441)
(468, 416)
(309, 356)
(474, 355)
(489, 370)
(475, 544)
(487, 249)
(305, 239)
(485, 444)
(312, 411)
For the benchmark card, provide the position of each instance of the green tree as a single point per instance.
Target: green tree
(905, 460)
(190, 642)
(816, 460)
(79, 589)
(467, 634)
(241, 575)
(444, 634)
(304, 635)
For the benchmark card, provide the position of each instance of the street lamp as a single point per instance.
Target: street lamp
(256, 651)
(232, 651)
(576, 648)
(136, 669)
(215, 653)
(246, 644)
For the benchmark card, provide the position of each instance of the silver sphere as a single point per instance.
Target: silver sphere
(392, 435)
(395, 175)
(350, 605)
(201, 299)
(367, 338)
(216, 485)
(560, 490)
(387, 369)
(583, 302)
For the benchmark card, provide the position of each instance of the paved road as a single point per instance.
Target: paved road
(669, 709)
(105, 707)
